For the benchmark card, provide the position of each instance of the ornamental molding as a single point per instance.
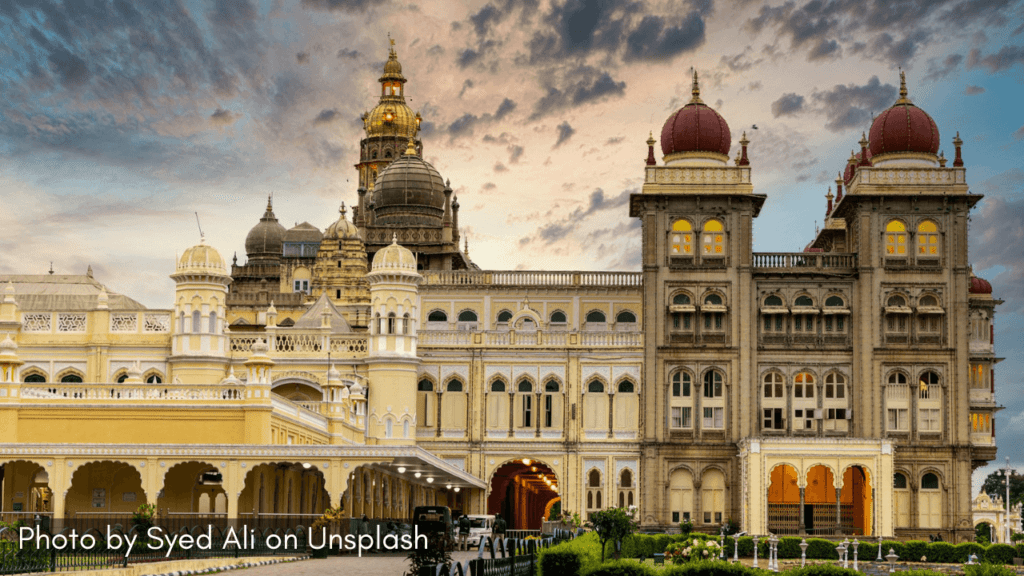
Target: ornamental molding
(698, 175)
(449, 370)
(591, 463)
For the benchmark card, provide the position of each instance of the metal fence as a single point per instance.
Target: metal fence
(501, 557)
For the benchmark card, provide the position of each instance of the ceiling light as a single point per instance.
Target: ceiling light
(526, 461)
(448, 487)
(307, 465)
(417, 474)
(430, 479)
(457, 488)
(401, 469)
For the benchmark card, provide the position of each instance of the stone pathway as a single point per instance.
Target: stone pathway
(371, 565)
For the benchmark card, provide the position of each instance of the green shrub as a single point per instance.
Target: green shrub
(622, 568)
(999, 554)
(822, 570)
(918, 573)
(914, 550)
(1020, 549)
(561, 562)
(820, 549)
(942, 552)
(868, 551)
(964, 551)
(708, 568)
(586, 550)
(746, 547)
(661, 541)
(789, 547)
(896, 547)
(988, 570)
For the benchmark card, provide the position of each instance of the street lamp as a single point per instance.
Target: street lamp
(892, 556)
(803, 552)
(721, 544)
(841, 551)
(755, 550)
(856, 545)
(736, 546)
(879, 559)
(1006, 472)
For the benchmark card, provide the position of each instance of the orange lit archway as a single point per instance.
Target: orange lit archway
(521, 491)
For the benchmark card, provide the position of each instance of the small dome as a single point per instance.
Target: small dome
(342, 229)
(980, 286)
(696, 128)
(8, 345)
(408, 192)
(392, 68)
(305, 232)
(904, 128)
(357, 389)
(394, 257)
(202, 259)
(266, 240)
(391, 117)
(231, 379)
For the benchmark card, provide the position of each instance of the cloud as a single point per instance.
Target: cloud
(499, 167)
(515, 152)
(1006, 58)
(1018, 134)
(72, 70)
(972, 90)
(579, 86)
(559, 228)
(614, 140)
(352, 6)
(996, 238)
(326, 116)
(222, 117)
(349, 54)
(506, 107)
(302, 57)
(654, 39)
(788, 105)
(467, 123)
(937, 71)
(565, 131)
(851, 106)
(466, 85)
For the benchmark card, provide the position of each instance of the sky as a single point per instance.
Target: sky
(122, 120)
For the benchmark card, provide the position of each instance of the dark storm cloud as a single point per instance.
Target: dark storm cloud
(972, 90)
(851, 106)
(996, 238)
(939, 70)
(465, 124)
(1006, 58)
(224, 117)
(506, 107)
(514, 153)
(788, 105)
(339, 5)
(466, 85)
(349, 54)
(326, 116)
(561, 227)
(72, 70)
(565, 132)
(580, 85)
(302, 58)
(822, 28)
(655, 39)
(468, 57)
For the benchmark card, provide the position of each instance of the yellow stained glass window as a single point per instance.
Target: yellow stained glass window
(682, 226)
(928, 238)
(895, 238)
(714, 240)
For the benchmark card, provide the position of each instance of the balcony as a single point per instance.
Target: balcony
(535, 339)
(805, 263)
(304, 344)
(553, 279)
(46, 393)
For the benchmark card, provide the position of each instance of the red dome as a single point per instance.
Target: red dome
(980, 286)
(904, 128)
(695, 128)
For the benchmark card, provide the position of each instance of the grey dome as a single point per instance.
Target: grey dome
(409, 192)
(266, 240)
(304, 232)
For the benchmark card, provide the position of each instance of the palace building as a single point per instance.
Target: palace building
(845, 389)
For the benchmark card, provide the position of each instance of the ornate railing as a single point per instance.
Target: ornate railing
(287, 407)
(532, 278)
(302, 344)
(538, 338)
(804, 262)
(149, 392)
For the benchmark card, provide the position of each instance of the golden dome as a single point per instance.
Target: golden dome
(391, 118)
(201, 259)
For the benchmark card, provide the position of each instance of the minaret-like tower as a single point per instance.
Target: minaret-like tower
(392, 362)
(388, 126)
(199, 346)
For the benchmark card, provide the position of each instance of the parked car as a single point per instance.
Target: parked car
(480, 526)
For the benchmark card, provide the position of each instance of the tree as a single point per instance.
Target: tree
(613, 524)
(995, 483)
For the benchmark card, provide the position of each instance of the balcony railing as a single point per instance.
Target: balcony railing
(133, 392)
(538, 338)
(303, 344)
(835, 263)
(532, 278)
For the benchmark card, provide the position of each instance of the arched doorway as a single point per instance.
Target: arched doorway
(24, 491)
(855, 502)
(784, 501)
(283, 495)
(193, 492)
(520, 491)
(821, 514)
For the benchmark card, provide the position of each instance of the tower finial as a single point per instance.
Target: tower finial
(411, 148)
(695, 90)
(342, 209)
(270, 202)
(903, 89)
(394, 237)
(466, 249)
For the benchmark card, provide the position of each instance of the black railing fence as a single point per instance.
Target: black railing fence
(500, 557)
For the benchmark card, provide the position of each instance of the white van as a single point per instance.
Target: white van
(480, 526)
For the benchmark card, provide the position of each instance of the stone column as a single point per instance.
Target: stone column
(803, 522)
(539, 410)
(437, 421)
(839, 521)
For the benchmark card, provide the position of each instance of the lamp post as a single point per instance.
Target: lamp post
(892, 556)
(1006, 472)
(736, 546)
(841, 551)
(721, 544)
(774, 553)
(879, 559)
(856, 545)
(755, 550)
(803, 552)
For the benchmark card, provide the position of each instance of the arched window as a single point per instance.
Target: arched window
(71, 379)
(834, 301)
(803, 301)
(713, 384)
(929, 502)
(773, 387)
(406, 324)
(525, 386)
(558, 317)
(595, 316)
(437, 316)
(455, 386)
(929, 317)
(927, 239)
(504, 316)
(714, 313)
(595, 386)
(897, 403)
(551, 386)
(122, 378)
(682, 312)
(896, 300)
(212, 328)
(681, 400)
(498, 386)
(901, 502)
(373, 155)
(594, 491)
(626, 479)
(928, 300)
(626, 387)
(388, 428)
(897, 313)
(681, 384)
(681, 299)
(895, 239)
(626, 316)
(682, 238)
(714, 238)
(391, 323)
(773, 300)
(899, 481)
(929, 405)
(154, 379)
(803, 385)
(35, 378)
(425, 386)
(835, 386)
(197, 321)
(713, 300)
(927, 380)
(468, 316)
(181, 323)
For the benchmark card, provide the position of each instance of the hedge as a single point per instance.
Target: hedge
(622, 568)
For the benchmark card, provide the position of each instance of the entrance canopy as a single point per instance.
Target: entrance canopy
(828, 463)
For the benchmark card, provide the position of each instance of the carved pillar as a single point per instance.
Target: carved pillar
(539, 411)
(437, 421)
(803, 522)
(839, 521)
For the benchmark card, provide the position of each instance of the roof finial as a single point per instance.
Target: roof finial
(695, 90)
(342, 209)
(270, 202)
(903, 88)
(394, 237)
(411, 148)
(466, 249)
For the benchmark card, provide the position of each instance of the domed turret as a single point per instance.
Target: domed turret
(394, 258)
(695, 133)
(979, 285)
(265, 242)
(391, 116)
(409, 192)
(305, 233)
(341, 229)
(201, 259)
(904, 129)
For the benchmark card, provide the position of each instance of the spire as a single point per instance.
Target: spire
(466, 249)
(650, 150)
(903, 89)
(342, 210)
(839, 187)
(695, 90)
(864, 150)
(744, 161)
(958, 161)
(410, 150)
(394, 238)
(830, 197)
